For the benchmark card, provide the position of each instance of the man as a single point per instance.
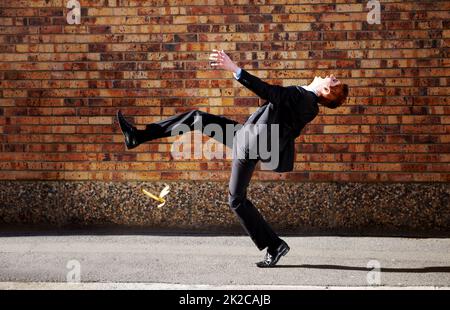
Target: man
(290, 108)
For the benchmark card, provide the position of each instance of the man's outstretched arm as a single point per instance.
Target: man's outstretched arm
(265, 91)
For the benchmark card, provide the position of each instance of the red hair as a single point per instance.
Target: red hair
(337, 96)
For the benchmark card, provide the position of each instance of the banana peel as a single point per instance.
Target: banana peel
(161, 196)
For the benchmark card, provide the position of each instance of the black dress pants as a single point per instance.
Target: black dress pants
(241, 172)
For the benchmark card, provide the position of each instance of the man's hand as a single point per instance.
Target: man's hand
(221, 60)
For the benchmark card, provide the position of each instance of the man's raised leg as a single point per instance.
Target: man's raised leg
(194, 119)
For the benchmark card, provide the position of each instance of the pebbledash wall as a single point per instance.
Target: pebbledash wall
(379, 163)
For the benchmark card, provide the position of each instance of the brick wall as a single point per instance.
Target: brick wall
(61, 85)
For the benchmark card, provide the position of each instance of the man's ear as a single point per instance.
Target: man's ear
(326, 90)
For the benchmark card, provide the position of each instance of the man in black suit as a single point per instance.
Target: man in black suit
(286, 112)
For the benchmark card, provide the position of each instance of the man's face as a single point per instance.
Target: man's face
(329, 81)
(324, 85)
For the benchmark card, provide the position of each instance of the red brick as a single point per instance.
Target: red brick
(60, 86)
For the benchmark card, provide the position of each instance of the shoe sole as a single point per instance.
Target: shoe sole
(119, 115)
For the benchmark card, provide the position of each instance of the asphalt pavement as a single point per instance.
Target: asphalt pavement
(219, 262)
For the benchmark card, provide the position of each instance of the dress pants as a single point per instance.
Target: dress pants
(241, 171)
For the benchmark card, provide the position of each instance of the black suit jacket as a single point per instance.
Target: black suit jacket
(291, 107)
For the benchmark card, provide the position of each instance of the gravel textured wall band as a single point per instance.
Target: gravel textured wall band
(202, 207)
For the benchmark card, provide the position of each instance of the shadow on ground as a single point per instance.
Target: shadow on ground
(440, 269)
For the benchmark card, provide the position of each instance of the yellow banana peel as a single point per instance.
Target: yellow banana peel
(159, 198)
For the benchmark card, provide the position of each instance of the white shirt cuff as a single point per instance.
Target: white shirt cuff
(237, 74)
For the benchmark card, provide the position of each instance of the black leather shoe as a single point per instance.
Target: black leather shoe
(271, 260)
(128, 130)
